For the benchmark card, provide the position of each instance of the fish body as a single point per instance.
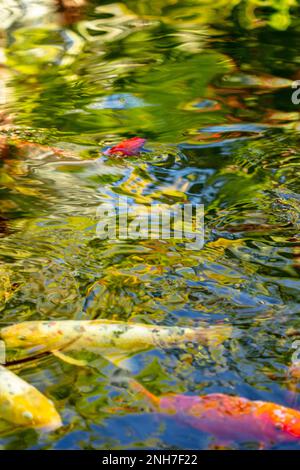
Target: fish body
(236, 418)
(23, 405)
(127, 148)
(230, 418)
(105, 337)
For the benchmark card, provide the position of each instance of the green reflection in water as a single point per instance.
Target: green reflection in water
(209, 86)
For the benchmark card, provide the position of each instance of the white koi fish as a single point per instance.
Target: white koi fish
(111, 339)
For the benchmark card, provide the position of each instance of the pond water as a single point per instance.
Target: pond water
(209, 85)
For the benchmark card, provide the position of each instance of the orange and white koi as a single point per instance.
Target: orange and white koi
(23, 405)
(229, 418)
(111, 339)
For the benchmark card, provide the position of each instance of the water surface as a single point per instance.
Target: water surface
(211, 93)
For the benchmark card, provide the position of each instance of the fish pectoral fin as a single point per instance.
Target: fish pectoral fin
(118, 359)
(69, 359)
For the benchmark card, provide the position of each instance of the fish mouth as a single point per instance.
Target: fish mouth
(50, 426)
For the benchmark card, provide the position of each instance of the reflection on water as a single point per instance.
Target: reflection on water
(213, 97)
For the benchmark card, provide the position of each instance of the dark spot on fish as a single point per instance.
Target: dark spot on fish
(120, 332)
(78, 328)
(279, 426)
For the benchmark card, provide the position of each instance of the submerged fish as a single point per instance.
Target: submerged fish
(112, 339)
(292, 383)
(230, 418)
(127, 148)
(294, 370)
(23, 405)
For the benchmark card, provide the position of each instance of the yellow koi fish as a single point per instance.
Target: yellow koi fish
(111, 339)
(23, 405)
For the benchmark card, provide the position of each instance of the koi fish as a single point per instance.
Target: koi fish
(23, 405)
(8, 145)
(127, 148)
(111, 339)
(229, 418)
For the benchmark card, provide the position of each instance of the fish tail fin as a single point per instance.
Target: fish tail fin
(204, 335)
(215, 335)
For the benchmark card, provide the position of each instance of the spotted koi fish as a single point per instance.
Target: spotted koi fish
(229, 418)
(23, 405)
(111, 339)
(127, 148)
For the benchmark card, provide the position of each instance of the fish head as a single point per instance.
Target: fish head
(128, 147)
(34, 410)
(24, 334)
(24, 405)
(282, 424)
(290, 424)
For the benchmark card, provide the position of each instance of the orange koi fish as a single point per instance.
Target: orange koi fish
(23, 405)
(127, 148)
(26, 147)
(230, 418)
